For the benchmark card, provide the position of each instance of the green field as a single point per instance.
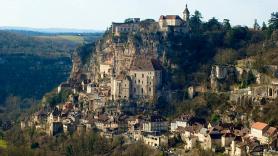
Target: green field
(3, 144)
(72, 38)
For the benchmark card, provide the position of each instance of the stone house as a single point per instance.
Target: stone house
(101, 121)
(146, 78)
(105, 70)
(124, 28)
(155, 140)
(214, 140)
(226, 141)
(133, 123)
(182, 121)
(190, 143)
(264, 133)
(258, 129)
(202, 135)
(120, 87)
(91, 88)
(40, 117)
(54, 116)
(122, 123)
(155, 123)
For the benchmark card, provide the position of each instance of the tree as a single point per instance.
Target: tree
(256, 25)
(237, 37)
(69, 150)
(248, 78)
(226, 24)
(35, 145)
(264, 27)
(273, 22)
(195, 21)
(226, 56)
(213, 24)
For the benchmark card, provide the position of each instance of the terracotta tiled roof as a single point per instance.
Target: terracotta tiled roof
(271, 131)
(120, 77)
(259, 125)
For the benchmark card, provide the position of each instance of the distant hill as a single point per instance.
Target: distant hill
(33, 63)
(30, 42)
(51, 30)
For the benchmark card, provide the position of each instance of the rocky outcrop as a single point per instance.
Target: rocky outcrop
(119, 52)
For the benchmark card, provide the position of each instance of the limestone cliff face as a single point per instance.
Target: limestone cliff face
(119, 52)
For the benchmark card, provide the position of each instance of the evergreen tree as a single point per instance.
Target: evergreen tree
(213, 24)
(226, 24)
(196, 21)
(264, 27)
(256, 25)
(273, 22)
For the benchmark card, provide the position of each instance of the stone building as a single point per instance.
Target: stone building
(120, 87)
(272, 91)
(105, 70)
(127, 27)
(174, 22)
(222, 77)
(146, 78)
(155, 140)
(155, 123)
(263, 132)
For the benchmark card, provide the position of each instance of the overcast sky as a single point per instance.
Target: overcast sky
(98, 14)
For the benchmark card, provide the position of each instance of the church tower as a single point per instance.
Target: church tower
(186, 14)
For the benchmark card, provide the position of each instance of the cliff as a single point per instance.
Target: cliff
(117, 51)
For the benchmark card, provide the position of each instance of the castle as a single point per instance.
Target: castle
(174, 22)
(167, 23)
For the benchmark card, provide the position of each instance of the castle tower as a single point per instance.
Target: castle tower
(186, 14)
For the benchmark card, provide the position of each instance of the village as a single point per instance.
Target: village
(117, 98)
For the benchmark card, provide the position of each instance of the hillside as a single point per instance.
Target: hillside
(33, 63)
(210, 82)
(187, 58)
(42, 43)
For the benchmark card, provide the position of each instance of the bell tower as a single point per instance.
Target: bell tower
(186, 14)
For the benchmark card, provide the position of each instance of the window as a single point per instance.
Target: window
(135, 75)
(134, 90)
(150, 89)
(142, 75)
(138, 81)
(142, 90)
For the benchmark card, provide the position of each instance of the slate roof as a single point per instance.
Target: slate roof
(162, 17)
(146, 64)
(156, 118)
